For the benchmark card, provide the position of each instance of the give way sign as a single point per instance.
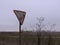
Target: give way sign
(20, 15)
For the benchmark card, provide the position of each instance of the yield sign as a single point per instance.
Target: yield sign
(20, 15)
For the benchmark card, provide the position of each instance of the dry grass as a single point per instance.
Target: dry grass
(28, 38)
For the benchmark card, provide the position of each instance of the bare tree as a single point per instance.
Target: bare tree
(39, 27)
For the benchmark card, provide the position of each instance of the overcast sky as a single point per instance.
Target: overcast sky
(50, 9)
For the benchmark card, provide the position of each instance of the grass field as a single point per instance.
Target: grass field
(29, 38)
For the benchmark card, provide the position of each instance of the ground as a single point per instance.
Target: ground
(29, 38)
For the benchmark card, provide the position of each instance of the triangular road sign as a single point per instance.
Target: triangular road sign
(20, 15)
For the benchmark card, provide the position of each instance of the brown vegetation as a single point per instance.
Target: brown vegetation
(29, 38)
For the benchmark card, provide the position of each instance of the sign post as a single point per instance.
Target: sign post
(20, 16)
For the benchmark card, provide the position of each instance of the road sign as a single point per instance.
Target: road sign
(20, 15)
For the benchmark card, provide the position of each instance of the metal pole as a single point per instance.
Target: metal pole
(19, 33)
